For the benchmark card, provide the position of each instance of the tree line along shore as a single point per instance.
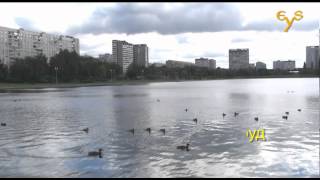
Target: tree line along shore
(68, 69)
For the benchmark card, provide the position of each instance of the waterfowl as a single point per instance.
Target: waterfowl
(163, 131)
(299, 110)
(186, 109)
(287, 113)
(85, 130)
(132, 130)
(3, 124)
(284, 117)
(195, 120)
(158, 100)
(236, 114)
(256, 118)
(96, 153)
(184, 147)
(149, 130)
(223, 114)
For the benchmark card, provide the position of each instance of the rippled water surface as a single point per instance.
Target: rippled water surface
(43, 136)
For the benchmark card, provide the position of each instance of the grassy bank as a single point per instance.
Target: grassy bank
(17, 86)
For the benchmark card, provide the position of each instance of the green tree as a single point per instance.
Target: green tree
(30, 69)
(68, 64)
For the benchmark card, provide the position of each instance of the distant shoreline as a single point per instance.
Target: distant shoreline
(23, 86)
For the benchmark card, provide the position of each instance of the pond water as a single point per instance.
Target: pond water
(43, 135)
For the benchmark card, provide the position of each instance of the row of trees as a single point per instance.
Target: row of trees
(70, 67)
(66, 66)
(197, 73)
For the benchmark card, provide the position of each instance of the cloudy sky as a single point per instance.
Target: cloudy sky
(178, 31)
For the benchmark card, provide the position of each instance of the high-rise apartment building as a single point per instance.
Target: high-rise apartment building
(141, 55)
(312, 57)
(122, 54)
(238, 59)
(20, 43)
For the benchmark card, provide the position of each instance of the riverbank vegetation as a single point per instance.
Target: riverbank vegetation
(69, 67)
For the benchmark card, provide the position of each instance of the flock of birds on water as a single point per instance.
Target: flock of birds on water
(182, 147)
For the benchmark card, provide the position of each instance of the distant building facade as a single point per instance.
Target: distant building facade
(177, 64)
(312, 57)
(252, 66)
(260, 65)
(238, 59)
(122, 54)
(141, 55)
(284, 65)
(20, 43)
(205, 62)
(106, 58)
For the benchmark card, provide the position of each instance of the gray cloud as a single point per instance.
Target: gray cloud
(25, 24)
(132, 18)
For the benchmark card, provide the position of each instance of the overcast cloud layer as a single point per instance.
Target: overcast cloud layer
(203, 17)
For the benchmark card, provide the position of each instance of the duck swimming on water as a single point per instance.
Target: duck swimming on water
(284, 117)
(195, 120)
(184, 147)
(149, 130)
(163, 131)
(132, 130)
(96, 153)
(85, 130)
(3, 124)
(236, 114)
(223, 114)
(256, 118)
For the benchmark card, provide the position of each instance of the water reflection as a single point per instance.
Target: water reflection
(44, 130)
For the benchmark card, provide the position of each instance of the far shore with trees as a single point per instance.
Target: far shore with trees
(69, 69)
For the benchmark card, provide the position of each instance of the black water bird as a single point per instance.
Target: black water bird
(149, 130)
(96, 153)
(287, 113)
(284, 117)
(299, 110)
(85, 130)
(256, 118)
(186, 109)
(195, 120)
(132, 130)
(184, 147)
(3, 124)
(163, 131)
(223, 114)
(236, 114)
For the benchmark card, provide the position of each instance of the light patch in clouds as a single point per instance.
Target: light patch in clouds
(25, 24)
